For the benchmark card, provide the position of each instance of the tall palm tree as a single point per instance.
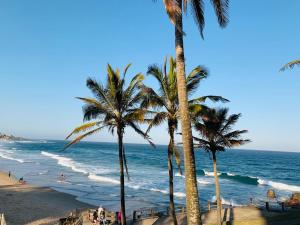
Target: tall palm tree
(290, 65)
(115, 107)
(166, 101)
(175, 10)
(215, 129)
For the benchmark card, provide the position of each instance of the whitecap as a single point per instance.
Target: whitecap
(66, 162)
(210, 174)
(279, 186)
(10, 157)
(103, 179)
(179, 194)
(202, 181)
(159, 190)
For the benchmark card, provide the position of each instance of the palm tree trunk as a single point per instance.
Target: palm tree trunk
(218, 196)
(171, 184)
(122, 187)
(125, 163)
(192, 200)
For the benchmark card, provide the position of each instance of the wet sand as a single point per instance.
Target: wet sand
(28, 204)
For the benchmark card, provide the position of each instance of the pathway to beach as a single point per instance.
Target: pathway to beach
(27, 204)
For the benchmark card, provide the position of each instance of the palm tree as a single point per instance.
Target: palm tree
(114, 107)
(290, 65)
(215, 129)
(174, 9)
(166, 100)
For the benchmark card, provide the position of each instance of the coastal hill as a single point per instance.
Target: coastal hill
(6, 137)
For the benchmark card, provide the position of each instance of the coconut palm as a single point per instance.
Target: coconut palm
(166, 101)
(215, 129)
(174, 9)
(114, 107)
(290, 65)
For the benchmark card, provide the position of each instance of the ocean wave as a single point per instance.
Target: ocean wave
(199, 180)
(179, 175)
(43, 172)
(179, 194)
(159, 190)
(279, 186)
(210, 174)
(66, 162)
(240, 178)
(95, 177)
(202, 181)
(258, 181)
(166, 192)
(7, 156)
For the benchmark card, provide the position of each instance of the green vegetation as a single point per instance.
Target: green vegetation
(114, 107)
(215, 129)
(175, 11)
(290, 65)
(166, 101)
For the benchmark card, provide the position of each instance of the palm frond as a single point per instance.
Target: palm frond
(194, 78)
(79, 138)
(290, 65)
(157, 120)
(213, 98)
(221, 10)
(140, 132)
(83, 128)
(198, 13)
(172, 10)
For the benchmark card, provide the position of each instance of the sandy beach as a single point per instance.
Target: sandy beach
(28, 204)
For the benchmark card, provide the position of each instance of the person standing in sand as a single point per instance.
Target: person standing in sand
(9, 174)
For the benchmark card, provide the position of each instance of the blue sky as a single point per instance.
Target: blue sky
(49, 48)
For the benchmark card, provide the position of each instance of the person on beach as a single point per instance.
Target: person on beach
(119, 217)
(101, 215)
(9, 174)
(62, 177)
(95, 217)
(21, 180)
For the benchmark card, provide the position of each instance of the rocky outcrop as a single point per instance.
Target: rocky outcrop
(5, 137)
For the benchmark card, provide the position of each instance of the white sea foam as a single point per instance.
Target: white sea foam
(66, 162)
(202, 181)
(103, 179)
(179, 175)
(230, 174)
(179, 194)
(43, 172)
(159, 190)
(166, 192)
(5, 155)
(210, 174)
(279, 186)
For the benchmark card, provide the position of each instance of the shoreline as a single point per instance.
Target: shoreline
(29, 204)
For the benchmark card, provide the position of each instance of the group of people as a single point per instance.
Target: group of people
(99, 217)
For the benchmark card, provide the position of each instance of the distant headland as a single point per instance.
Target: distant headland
(6, 137)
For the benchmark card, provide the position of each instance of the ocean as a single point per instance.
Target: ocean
(92, 172)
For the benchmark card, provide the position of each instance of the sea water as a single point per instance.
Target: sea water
(91, 172)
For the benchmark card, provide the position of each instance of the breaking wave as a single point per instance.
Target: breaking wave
(66, 162)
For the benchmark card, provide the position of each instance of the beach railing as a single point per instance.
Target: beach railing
(144, 213)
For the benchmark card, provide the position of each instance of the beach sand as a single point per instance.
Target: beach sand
(28, 204)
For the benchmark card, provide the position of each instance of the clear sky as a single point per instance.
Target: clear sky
(49, 48)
